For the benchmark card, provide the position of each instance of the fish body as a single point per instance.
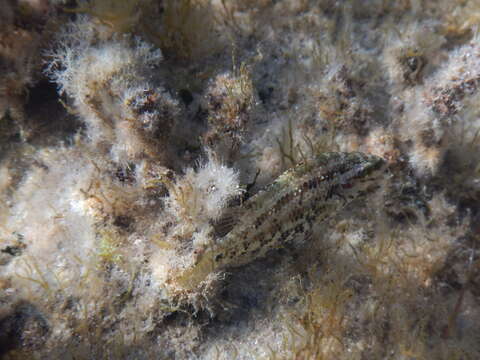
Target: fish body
(286, 210)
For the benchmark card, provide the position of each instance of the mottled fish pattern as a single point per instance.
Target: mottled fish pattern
(286, 210)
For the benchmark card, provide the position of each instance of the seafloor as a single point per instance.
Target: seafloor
(133, 133)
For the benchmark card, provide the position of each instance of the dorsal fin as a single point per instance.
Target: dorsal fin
(227, 221)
